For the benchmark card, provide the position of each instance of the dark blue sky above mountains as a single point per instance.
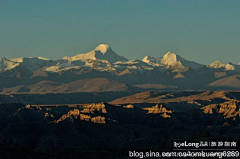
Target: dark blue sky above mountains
(201, 31)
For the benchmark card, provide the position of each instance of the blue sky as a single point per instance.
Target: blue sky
(202, 31)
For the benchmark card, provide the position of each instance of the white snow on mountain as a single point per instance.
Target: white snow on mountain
(219, 64)
(32, 63)
(172, 61)
(103, 58)
(149, 59)
(103, 48)
(133, 64)
(6, 64)
(43, 58)
(21, 59)
(152, 61)
(60, 68)
(102, 52)
(64, 65)
(100, 65)
(216, 64)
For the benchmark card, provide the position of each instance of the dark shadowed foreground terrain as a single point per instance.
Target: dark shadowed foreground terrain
(84, 127)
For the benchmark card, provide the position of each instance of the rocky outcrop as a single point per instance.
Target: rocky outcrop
(91, 108)
(129, 106)
(47, 115)
(128, 126)
(229, 109)
(98, 120)
(159, 109)
(87, 109)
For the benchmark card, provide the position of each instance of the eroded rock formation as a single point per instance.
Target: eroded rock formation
(229, 109)
(158, 109)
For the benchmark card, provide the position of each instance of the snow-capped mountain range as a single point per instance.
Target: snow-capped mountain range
(103, 62)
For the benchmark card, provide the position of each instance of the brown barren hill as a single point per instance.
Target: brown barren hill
(41, 87)
(167, 97)
(93, 85)
(231, 82)
(85, 85)
(155, 86)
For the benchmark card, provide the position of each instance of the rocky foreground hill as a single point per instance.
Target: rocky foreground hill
(115, 127)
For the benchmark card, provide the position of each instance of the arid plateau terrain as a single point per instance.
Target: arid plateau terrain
(73, 124)
(101, 105)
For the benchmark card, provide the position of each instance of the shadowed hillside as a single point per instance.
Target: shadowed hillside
(111, 129)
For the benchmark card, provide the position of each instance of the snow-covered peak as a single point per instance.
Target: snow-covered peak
(43, 58)
(229, 66)
(133, 64)
(102, 52)
(156, 62)
(170, 59)
(18, 59)
(103, 48)
(3, 59)
(175, 61)
(6, 64)
(149, 59)
(216, 64)
(31, 63)
(219, 64)
(21, 59)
